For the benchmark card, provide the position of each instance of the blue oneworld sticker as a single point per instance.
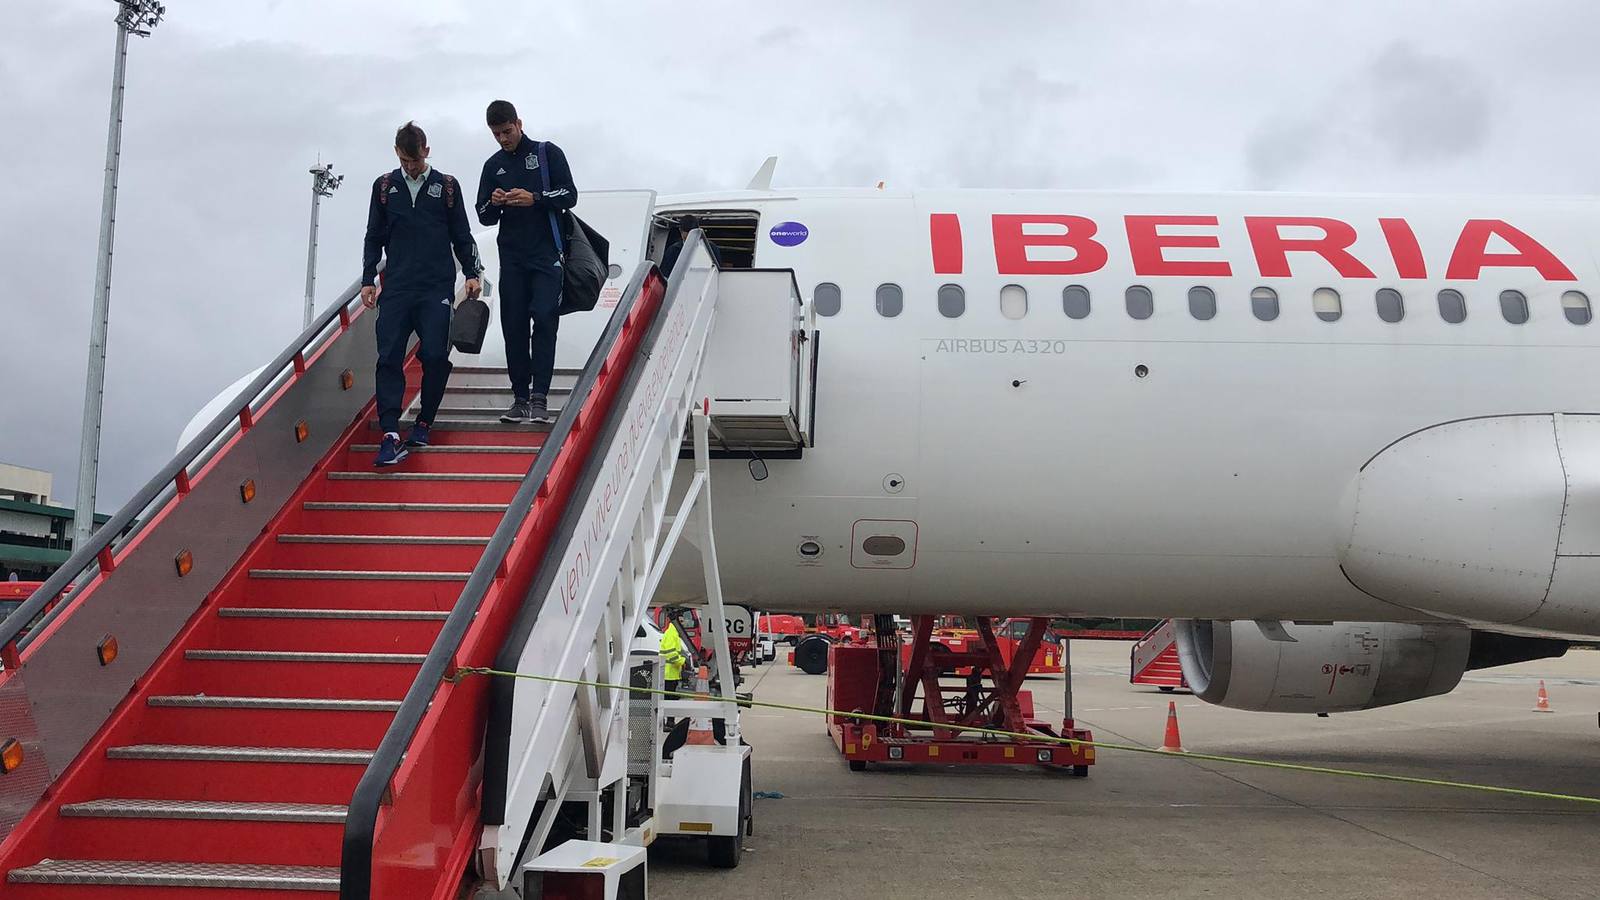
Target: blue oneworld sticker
(789, 234)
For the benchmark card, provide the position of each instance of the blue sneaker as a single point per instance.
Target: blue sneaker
(418, 436)
(391, 451)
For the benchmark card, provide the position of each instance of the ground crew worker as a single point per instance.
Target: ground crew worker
(673, 656)
(512, 192)
(415, 218)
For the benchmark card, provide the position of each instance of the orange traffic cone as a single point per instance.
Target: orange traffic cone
(1544, 700)
(1172, 743)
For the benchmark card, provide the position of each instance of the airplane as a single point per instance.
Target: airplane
(1344, 441)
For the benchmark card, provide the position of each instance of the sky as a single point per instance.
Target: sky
(229, 103)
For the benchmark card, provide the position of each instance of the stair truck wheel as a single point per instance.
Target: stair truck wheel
(723, 851)
(1167, 688)
(1080, 771)
(811, 654)
(858, 765)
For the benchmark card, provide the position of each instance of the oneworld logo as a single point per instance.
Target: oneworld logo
(789, 234)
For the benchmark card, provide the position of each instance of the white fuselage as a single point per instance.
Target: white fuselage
(1037, 463)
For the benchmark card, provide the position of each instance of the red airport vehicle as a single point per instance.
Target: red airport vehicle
(1154, 659)
(863, 677)
(782, 628)
(1009, 635)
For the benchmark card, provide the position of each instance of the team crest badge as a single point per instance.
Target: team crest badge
(531, 161)
(436, 190)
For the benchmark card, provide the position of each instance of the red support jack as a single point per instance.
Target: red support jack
(868, 678)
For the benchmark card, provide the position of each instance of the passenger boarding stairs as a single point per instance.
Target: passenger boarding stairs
(1153, 659)
(257, 688)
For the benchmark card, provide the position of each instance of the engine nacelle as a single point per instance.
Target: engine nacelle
(1326, 668)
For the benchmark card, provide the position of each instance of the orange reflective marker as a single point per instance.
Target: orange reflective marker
(106, 650)
(347, 379)
(247, 491)
(301, 431)
(10, 756)
(185, 563)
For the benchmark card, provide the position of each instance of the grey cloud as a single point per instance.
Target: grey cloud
(1427, 108)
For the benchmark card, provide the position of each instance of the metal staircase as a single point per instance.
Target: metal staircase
(257, 687)
(1153, 659)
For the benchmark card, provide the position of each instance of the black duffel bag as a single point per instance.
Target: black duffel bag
(585, 254)
(468, 326)
(584, 262)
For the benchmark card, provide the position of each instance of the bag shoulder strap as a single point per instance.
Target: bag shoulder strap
(383, 190)
(449, 192)
(544, 177)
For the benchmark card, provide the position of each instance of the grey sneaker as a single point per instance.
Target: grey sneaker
(538, 410)
(520, 411)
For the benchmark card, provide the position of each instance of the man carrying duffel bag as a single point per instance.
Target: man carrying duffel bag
(523, 186)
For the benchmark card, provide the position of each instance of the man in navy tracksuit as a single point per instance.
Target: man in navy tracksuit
(512, 193)
(416, 217)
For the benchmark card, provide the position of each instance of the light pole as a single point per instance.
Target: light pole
(135, 17)
(323, 184)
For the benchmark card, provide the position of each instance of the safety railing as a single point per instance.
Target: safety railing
(592, 585)
(415, 809)
(71, 655)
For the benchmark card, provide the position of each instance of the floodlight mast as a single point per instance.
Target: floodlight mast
(134, 17)
(323, 184)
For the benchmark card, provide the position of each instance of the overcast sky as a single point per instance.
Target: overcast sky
(230, 102)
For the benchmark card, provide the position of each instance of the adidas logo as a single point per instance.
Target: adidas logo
(500, 172)
(394, 190)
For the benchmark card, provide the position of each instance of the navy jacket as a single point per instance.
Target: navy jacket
(418, 239)
(525, 236)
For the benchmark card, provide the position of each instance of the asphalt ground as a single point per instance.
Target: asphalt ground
(1147, 825)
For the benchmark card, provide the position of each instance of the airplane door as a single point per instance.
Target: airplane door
(623, 217)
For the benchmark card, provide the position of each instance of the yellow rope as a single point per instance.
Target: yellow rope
(1044, 738)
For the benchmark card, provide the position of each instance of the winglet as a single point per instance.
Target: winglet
(762, 181)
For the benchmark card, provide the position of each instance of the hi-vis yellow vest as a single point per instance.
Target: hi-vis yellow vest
(672, 652)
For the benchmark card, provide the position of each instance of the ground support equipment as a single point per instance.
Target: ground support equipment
(931, 712)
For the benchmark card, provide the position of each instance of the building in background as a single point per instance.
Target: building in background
(35, 534)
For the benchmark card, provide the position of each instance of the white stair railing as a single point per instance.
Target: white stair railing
(556, 734)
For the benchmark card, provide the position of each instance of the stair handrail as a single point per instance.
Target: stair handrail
(355, 882)
(168, 484)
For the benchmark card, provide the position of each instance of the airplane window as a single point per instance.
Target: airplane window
(890, 300)
(1514, 306)
(1013, 301)
(1202, 302)
(1325, 302)
(1391, 306)
(1576, 306)
(1075, 301)
(1452, 306)
(952, 301)
(1264, 303)
(827, 299)
(1140, 302)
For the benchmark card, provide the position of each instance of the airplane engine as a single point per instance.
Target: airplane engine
(1339, 667)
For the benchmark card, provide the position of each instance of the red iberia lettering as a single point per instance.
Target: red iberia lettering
(1403, 247)
(1272, 248)
(1146, 243)
(1011, 245)
(944, 232)
(1472, 254)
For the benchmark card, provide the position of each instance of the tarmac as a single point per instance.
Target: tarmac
(1149, 825)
